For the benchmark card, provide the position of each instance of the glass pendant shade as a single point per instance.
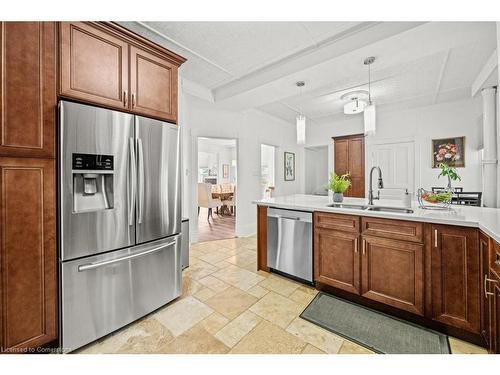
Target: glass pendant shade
(301, 129)
(370, 117)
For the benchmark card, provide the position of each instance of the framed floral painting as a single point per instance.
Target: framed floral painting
(449, 151)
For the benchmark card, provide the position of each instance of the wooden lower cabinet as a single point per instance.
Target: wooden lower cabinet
(495, 315)
(455, 276)
(393, 273)
(484, 251)
(28, 284)
(337, 259)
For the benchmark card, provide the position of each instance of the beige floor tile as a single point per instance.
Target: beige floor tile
(280, 285)
(314, 335)
(267, 338)
(150, 335)
(213, 283)
(311, 349)
(349, 347)
(231, 243)
(301, 297)
(242, 257)
(200, 270)
(238, 277)
(214, 257)
(204, 293)
(277, 309)
(252, 267)
(257, 291)
(214, 323)
(238, 328)
(196, 340)
(183, 314)
(461, 347)
(189, 286)
(222, 264)
(231, 302)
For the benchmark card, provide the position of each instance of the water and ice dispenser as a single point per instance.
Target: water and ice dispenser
(92, 182)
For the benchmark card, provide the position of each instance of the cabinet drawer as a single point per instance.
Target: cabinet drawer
(495, 257)
(394, 229)
(346, 223)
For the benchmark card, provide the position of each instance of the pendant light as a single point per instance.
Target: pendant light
(369, 112)
(301, 119)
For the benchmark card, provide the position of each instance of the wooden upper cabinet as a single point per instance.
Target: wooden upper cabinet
(28, 261)
(337, 259)
(94, 65)
(393, 273)
(153, 84)
(28, 89)
(349, 157)
(455, 276)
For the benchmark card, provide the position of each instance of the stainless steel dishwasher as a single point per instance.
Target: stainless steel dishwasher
(289, 242)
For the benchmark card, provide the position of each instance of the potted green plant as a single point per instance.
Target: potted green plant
(450, 173)
(338, 185)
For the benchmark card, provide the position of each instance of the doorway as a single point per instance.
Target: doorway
(216, 188)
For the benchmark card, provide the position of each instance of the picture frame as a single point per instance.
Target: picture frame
(225, 170)
(449, 151)
(289, 166)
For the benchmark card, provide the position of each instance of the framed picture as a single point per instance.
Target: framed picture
(225, 170)
(449, 151)
(289, 166)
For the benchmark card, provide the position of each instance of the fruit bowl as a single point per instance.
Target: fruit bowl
(434, 200)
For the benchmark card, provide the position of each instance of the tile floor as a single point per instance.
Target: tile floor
(227, 306)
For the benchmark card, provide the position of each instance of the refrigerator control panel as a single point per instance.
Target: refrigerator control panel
(93, 162)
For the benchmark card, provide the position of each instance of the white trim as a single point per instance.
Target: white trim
(485, 73)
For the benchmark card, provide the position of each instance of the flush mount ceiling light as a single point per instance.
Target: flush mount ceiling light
(301, 119)
(369, 112)
(356, 101)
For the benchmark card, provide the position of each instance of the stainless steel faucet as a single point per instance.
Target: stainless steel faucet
(380, 185)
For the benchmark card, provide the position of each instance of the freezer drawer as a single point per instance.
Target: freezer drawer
(105, 292)
(289, 242)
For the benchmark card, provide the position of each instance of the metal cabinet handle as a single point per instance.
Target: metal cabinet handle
(497, 258)
(125, 98)
(435, 238)
(486, 280)
(356, 245)
(140, 202)
(364, 247)
(132, 181)
(133, 100)
(91, 266)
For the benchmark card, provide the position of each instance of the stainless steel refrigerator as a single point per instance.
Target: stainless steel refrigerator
(119, 219)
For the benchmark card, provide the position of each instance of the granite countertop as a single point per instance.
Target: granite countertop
(486, 219)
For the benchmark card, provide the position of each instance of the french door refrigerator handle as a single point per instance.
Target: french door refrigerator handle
(140, 202)
(132, 181)
(91, 266)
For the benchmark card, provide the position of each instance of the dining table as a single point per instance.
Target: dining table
(223, 196)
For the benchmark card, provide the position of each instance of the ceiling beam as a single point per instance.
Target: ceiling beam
(484, 75)
(440, 77)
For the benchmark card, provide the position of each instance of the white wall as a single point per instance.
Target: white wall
(421, 125)
(201, 118)
(316, 169)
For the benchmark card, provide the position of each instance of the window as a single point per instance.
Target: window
(267, 169)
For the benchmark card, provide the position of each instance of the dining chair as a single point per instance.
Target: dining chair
(226, 188)
(205, 199)
(231, 202)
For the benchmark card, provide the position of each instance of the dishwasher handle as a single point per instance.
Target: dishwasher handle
(285, 217)
(289, 215)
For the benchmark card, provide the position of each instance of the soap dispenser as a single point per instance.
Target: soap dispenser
(407, 199)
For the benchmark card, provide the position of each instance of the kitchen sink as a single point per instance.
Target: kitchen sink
(399, 210)
(349, 206)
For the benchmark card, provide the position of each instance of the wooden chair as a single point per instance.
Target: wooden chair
(438, 189)
(231, 202)
(205, 199)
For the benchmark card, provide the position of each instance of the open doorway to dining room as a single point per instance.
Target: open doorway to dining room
(217, 176)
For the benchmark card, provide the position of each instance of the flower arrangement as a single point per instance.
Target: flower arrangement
(339, 184)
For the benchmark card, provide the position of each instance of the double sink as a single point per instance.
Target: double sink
(399, 210)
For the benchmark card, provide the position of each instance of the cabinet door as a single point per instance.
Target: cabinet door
(357, 167)
(484, 250)
(495, 317)
(27, 88)
(337, 259)
(393, 273)
(94, 65)
(28, 286)
(341, 156)
(455, 278)
(153, 81)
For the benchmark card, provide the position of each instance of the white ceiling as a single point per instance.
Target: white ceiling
(256, 64)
